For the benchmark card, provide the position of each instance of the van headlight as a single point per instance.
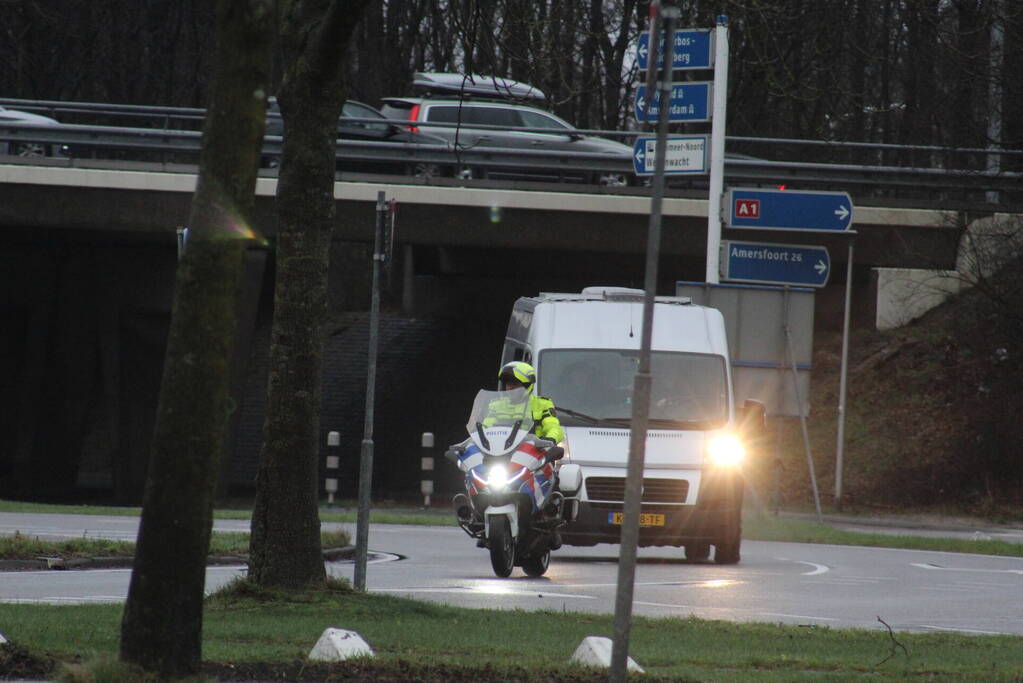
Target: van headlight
(726, 450)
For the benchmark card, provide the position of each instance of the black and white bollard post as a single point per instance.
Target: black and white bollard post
(333, 462)
(426, 478)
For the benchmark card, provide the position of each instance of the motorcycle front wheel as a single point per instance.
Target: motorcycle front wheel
(502, 547)
(536, 565)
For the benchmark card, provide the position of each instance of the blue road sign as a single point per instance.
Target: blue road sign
(683, 155)
(690, 101)
(775, 264)
(788, 210)
(693, 48)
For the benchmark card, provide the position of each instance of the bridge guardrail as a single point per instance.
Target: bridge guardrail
(163, 142)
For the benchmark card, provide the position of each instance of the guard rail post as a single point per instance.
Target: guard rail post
(426, 465)
(333, 462)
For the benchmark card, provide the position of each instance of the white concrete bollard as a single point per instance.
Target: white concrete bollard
(596, 651)
(337, 644)
(333, 462)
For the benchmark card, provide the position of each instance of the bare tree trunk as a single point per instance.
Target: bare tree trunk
(162, 625)
(285, 543)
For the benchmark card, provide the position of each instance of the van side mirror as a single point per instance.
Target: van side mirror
(554, 454)
(454, 453)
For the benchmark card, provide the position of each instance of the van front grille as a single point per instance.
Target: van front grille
(654, 490)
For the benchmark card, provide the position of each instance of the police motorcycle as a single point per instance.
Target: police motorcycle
(510, 504)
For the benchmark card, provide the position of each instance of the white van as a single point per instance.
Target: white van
(585, 348)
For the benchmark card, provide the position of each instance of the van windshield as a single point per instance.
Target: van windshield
(594, 386)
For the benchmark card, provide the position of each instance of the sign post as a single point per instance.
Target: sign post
(717, 149)
(643, 381)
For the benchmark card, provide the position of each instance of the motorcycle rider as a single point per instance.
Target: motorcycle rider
(545, 417)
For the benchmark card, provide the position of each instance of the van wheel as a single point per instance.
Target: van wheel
(726, 550)
(697, 552)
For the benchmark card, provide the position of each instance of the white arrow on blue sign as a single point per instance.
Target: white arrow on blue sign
(689, 101)
(787, 209)
(683, 154)
(693, 48)
(775, 264)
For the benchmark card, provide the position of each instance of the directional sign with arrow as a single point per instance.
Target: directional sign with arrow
(775, 264)
(683, 154)
(787, 210)
(689, 101)
(692, 49)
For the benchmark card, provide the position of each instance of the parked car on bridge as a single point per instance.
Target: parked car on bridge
(481, 112)
(26, 147)
(360, 121)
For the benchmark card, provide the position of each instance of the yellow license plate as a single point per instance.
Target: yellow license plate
(645, 518)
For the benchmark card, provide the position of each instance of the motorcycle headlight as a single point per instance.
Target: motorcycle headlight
(497, 477)
(726, 450)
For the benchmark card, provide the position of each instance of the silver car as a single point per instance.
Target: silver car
(27, 147)
(485, 112)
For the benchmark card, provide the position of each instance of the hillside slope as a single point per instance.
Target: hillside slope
(933, 414)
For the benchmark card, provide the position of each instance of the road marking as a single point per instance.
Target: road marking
(818, 568)
(467, 590)
(927, 565)
(65, 601)
(967, 630)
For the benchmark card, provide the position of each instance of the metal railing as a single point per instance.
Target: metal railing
(172, 135)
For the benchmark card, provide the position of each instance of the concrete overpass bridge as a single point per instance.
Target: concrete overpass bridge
(87, 266)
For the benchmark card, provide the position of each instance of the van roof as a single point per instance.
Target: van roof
(619, 294)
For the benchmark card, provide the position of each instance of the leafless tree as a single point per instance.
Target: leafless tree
(162, 625)
(285, 542)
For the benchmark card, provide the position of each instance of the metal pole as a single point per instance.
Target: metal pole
(366, 457)
(717, 150)
(799, 406)
(641, 388)
(996, 61)
(841, 383)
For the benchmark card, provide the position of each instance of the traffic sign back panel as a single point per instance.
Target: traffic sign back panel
(788, 209)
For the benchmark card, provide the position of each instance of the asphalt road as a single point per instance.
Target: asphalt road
(794, 583)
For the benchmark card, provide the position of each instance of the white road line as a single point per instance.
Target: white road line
(795, 616)
(64, 601)
(927, 565)
(817, 568)
(469, 591)
(966, 630)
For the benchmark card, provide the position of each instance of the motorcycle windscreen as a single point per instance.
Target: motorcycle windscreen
(500, 419)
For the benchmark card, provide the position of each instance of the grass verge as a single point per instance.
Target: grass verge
(251, 634)
(23, 547)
